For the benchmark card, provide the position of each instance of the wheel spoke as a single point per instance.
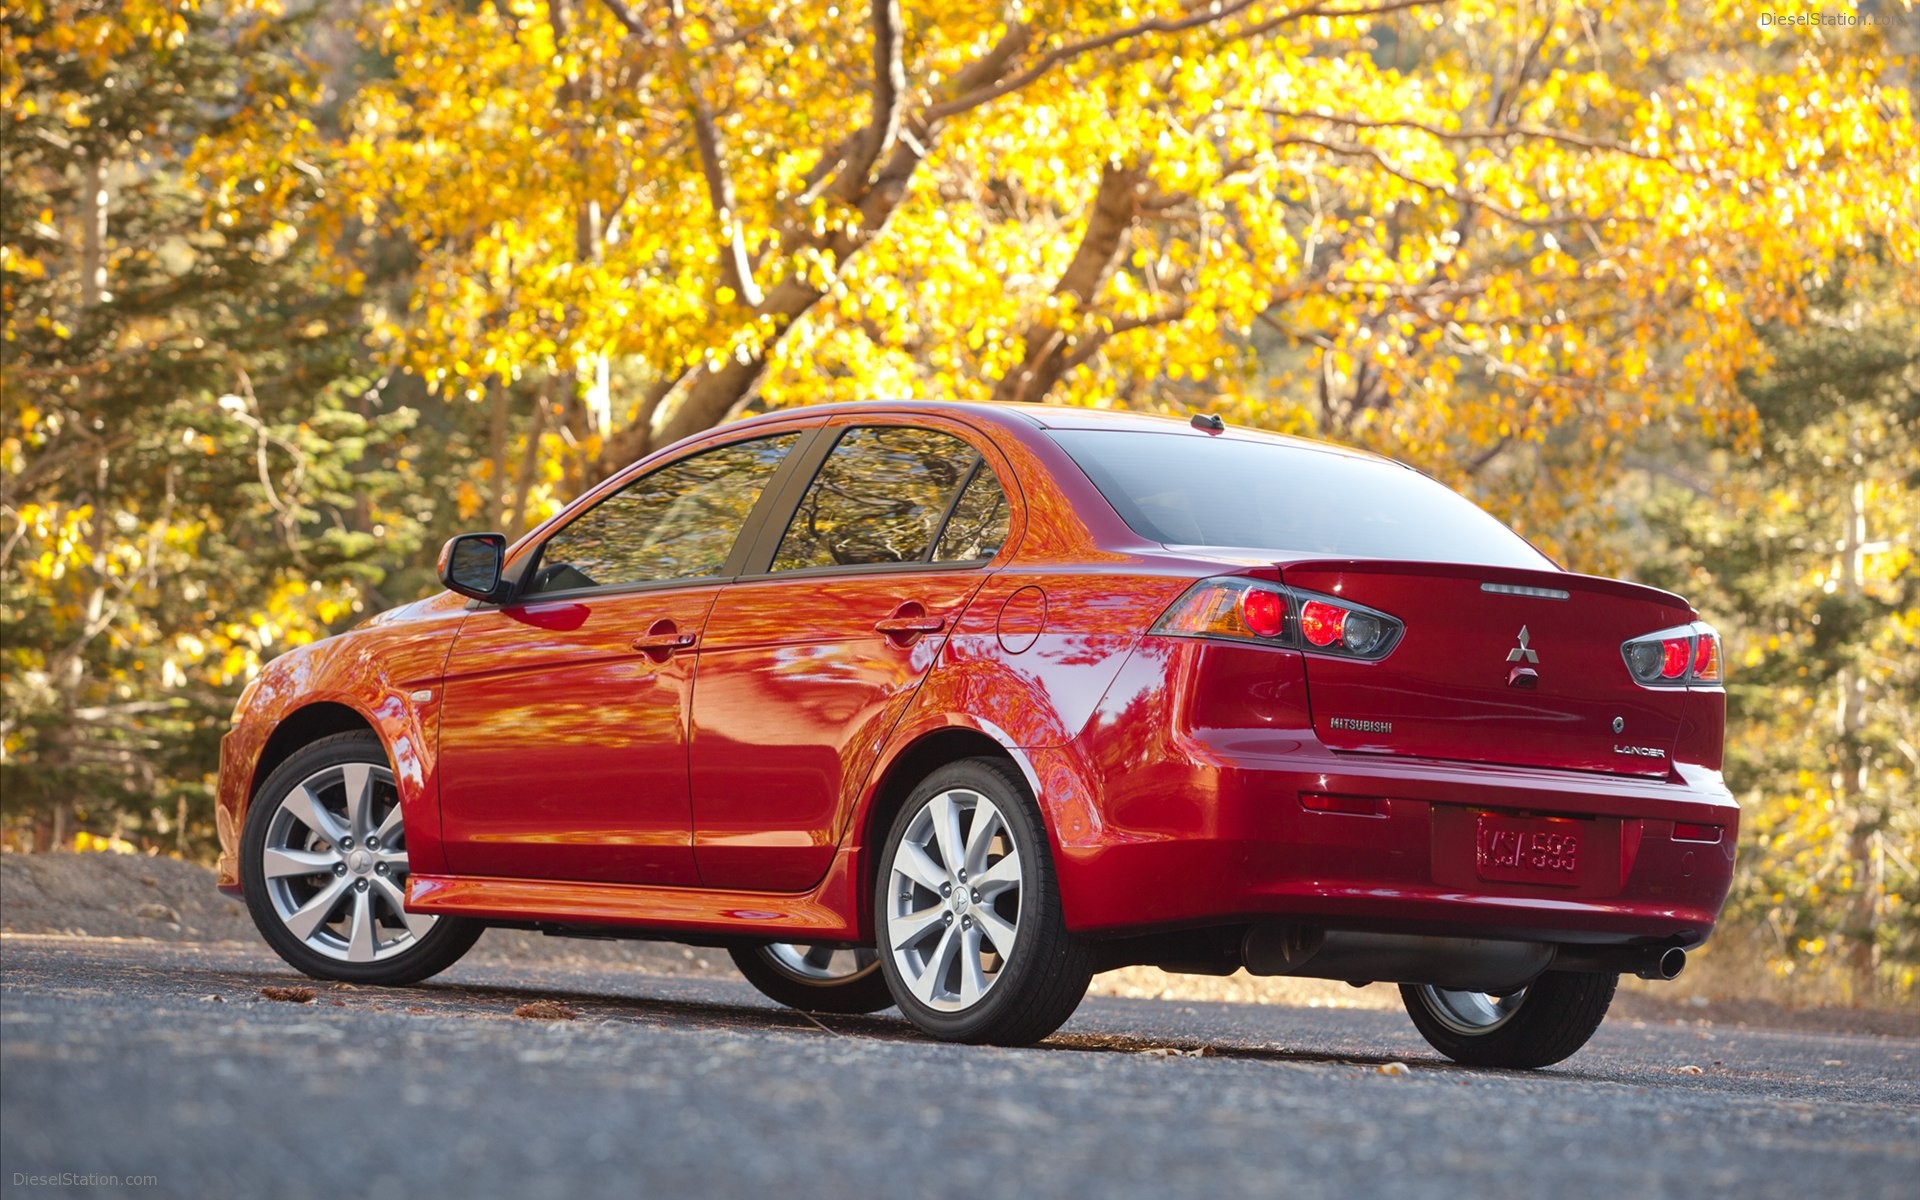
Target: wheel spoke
(999, 877)
(392, 831)
(818, 957)
(417, 923)
(986, 823)
(998, 929)
(357, 779)
(278, 864)
(305, 807)
(905, 929)
(946, 831)
(937, 964)
(314, 913)
(360, 943)
(973, 981)
(912, 861)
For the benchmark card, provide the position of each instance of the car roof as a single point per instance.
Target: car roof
(1062, 417)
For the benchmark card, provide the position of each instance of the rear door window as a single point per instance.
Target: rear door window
(896, 494)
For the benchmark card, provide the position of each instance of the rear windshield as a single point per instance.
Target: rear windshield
(1225, 492)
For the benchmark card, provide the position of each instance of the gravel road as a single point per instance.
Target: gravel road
(150, 1060)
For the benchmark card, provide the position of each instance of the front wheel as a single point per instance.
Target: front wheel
(1536, 1026)
(973, 941)
(824, 979)
(324, 869)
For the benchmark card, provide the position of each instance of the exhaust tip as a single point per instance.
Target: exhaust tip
(1668, 965)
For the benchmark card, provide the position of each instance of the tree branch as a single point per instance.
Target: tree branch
(1468, 135)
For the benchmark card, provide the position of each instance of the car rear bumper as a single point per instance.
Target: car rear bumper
(1220, 834)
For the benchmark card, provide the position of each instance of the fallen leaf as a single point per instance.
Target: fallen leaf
(289, 995)
(545, 1010)
(214, 998)
(1392, 1068)
(1689, 1069)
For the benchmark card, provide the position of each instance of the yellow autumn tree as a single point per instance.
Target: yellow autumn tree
(1495, 238)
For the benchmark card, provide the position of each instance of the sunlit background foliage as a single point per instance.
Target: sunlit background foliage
(292, 293)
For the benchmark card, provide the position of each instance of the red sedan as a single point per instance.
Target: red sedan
(950, 707)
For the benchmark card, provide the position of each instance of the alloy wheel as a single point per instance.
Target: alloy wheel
(1469, 1012)
(953, 900)
(820, 964)
(335, 865)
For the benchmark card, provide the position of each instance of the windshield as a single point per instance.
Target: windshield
(1227, 492)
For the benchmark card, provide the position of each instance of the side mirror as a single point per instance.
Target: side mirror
(472, 562)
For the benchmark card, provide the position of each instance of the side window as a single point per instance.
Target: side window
(679, 522)
(882, 496)
(978, 527)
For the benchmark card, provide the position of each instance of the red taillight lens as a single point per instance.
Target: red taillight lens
(1264, 612)
(1706, 658)
(1322, 624)
(1686, 831)
(1674, 654)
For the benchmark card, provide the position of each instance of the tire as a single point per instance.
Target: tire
(333, 806)
(818, 979)
(945, 904)
(1540, 1025)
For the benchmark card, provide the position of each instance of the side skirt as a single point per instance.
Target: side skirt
(831, 912)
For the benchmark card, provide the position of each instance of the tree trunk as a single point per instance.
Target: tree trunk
(1050, 349)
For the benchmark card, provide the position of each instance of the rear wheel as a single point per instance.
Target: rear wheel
(1536, 1026)
(973, 940)
(325, 869)
(826, 979)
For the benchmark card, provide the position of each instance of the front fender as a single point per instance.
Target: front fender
(386, 675)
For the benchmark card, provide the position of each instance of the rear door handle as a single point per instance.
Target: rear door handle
(911, 625)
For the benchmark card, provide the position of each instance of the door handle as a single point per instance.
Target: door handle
(662, 639)
(911, 625)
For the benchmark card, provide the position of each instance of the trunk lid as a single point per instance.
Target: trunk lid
(1451, 688)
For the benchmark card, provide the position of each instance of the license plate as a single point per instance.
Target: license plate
(1529, 850)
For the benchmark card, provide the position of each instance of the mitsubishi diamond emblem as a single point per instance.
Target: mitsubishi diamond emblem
(1521, 653)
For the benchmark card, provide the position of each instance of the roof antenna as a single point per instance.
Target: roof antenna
(1208, 423)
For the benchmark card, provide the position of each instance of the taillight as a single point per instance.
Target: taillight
(1254, 610)
(1677, 657)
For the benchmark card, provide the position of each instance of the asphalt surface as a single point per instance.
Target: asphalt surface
(159, 1062)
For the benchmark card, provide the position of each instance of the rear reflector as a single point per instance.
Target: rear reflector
(1686, 831)
(1353, 806)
